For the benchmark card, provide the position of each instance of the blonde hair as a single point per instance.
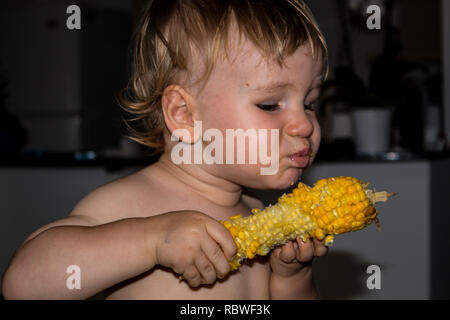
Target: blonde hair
(169, 30)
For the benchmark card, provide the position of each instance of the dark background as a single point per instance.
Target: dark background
(58, 86)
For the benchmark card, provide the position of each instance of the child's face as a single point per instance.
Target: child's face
(245, 92)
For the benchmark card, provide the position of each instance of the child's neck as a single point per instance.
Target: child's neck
(215, 189)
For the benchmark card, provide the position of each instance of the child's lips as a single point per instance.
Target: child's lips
(301, 159)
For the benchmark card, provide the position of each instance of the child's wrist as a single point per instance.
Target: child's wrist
(151, 236)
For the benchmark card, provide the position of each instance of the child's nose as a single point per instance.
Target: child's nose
(299, 124)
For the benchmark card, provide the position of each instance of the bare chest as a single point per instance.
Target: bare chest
(251, 281)
(156, 202)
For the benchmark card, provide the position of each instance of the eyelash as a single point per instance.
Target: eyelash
(268, 107)
(274, 107)
(311, 106)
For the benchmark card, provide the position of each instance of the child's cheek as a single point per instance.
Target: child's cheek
(316, 138)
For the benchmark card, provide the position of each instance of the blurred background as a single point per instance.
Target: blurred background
(384, 112)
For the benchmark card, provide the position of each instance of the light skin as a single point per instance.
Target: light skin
(135, 236)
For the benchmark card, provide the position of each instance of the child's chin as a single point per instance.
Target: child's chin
(292, 176)
(287, 179)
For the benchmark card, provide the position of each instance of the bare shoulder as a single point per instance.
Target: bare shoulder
(251, 199)
(127, 197)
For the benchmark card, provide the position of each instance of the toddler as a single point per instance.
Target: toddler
(244, 65)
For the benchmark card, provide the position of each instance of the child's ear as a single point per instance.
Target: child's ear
(177, 106)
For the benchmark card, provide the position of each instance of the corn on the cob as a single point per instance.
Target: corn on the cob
(333, 206)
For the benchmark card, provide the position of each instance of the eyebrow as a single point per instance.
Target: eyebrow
(272, 86)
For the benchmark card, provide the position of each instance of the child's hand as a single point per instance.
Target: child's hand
(293, 256)
(194, 245)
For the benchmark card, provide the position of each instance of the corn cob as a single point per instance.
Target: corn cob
(333, 206)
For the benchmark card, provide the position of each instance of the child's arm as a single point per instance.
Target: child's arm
(188, 242)
(291, 276)
(106, 254)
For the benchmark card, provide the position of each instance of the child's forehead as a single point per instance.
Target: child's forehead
(240, 59)
(248, 72)
(248, 63)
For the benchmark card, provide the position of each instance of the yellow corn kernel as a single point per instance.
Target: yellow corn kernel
(227, 224)
(319, 234)
(320, 223)
(233, 232)
(348, 219)
(329, 240)
(254, 246)
(360, 216)
(320, 183)
(249, 253)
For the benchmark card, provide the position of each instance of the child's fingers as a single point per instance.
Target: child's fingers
(306, 250)
(287, 252)
(216, 256)
(319, 248)
(192, 276)
(221, 235)
(206, 269)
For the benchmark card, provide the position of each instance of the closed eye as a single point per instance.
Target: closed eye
(310, 107)
(274, 107)
(268, 107)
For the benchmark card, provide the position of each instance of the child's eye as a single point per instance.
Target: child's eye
(311, 107)
(268, 107)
